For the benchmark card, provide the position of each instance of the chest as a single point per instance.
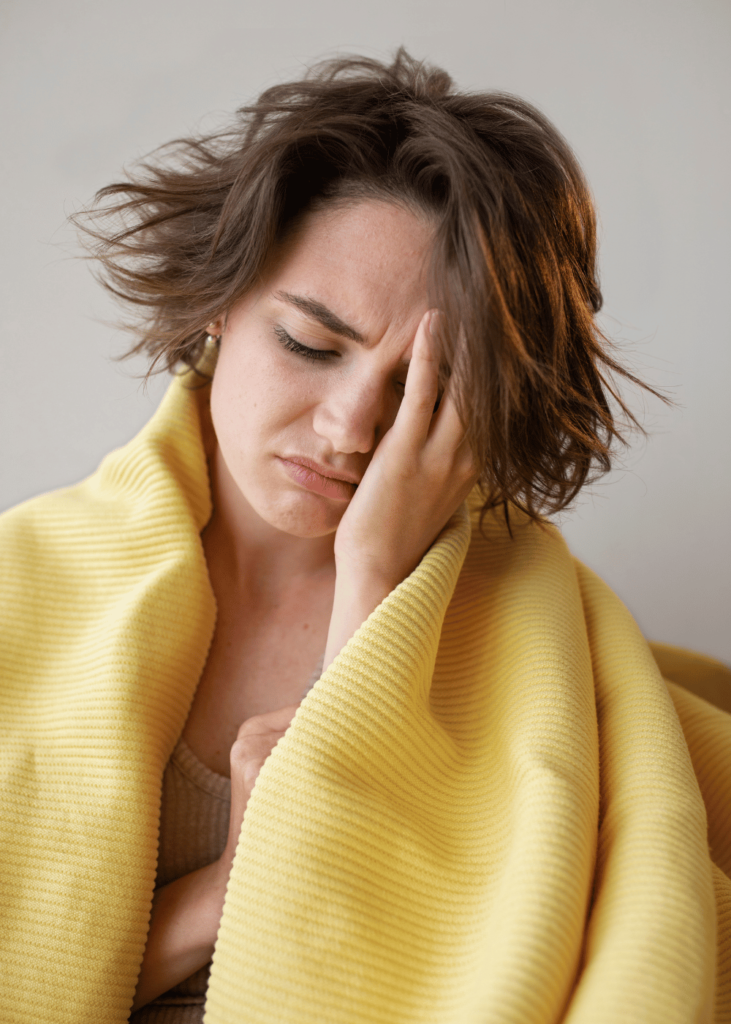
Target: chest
(260, 659)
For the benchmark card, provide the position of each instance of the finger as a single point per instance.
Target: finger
(447, 432)
(271, 720)
(446, 422)
(422, 386)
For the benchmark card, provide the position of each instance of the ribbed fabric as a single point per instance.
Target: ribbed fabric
(107, 614)
(706, 731)
(194, 815)
(484, 811)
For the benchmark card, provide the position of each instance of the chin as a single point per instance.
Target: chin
(306, 516)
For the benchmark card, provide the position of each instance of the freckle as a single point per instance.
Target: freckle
(306, 625)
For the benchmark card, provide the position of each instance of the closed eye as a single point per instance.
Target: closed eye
(299, 349)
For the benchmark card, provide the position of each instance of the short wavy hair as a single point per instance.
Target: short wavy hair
(513, 267)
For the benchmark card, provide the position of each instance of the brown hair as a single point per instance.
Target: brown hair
(513, 267)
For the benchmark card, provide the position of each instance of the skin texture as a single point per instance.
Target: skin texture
(365, 264)
(287, 560)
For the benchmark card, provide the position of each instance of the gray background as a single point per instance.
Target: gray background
(641, 89)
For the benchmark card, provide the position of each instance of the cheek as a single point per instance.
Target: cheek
(254, 402)
(257, 416)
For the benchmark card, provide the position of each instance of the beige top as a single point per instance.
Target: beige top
(194, 817)
(193, 830)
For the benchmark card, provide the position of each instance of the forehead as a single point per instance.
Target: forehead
(367, 261)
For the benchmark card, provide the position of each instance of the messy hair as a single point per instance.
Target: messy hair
(513, 267)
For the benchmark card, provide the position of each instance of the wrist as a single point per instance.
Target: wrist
(356, 595)
(363, 584)
(217, 876)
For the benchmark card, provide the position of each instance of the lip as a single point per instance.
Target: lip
(318, 478)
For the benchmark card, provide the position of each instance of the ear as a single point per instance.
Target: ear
(215, 328)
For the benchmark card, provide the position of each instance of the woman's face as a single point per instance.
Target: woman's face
(312, 365)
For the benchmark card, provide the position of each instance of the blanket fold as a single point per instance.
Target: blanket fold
(490, 808)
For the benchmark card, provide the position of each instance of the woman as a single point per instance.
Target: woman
(481, 805)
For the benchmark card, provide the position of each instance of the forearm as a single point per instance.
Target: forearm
(354, 600)
(183, 929)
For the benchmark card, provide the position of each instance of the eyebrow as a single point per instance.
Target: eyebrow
(316, 311)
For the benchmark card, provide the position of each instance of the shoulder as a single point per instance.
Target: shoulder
(140, 511)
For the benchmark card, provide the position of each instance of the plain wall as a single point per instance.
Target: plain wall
(641, 88)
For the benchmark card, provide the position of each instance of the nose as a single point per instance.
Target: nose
(353, 415)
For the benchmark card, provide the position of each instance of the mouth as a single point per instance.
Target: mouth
(318, 478)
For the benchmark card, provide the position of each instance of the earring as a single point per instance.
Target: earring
(213, 337)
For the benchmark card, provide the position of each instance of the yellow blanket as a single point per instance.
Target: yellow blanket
(485, 811)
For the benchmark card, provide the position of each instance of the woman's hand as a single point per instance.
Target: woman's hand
(187, 912)
(255, 741)
(420, 473)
